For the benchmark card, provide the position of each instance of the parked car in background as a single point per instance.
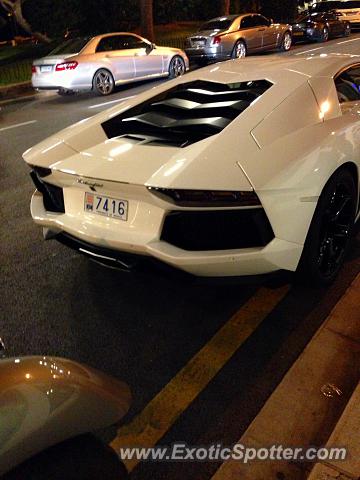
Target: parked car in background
(57, 417)
(345, 9)
(236, 36)
(320, 27)
(102, 62)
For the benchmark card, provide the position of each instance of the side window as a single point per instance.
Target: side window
(261, 21)
(247, 22)
(130, 41)
(120, 42)
(107, 44)
(348, 85)
(330, 16)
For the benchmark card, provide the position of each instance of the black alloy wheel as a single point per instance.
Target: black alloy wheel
(330, 231)
(324, 35)
(103, 82)
(177, 67)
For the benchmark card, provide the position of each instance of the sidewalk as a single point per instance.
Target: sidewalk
(10, 92)
(299, 414)
(347, 433)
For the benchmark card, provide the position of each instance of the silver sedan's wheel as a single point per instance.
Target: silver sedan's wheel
(176, 67)
(286, 42)
(103, 82)
(239, 50)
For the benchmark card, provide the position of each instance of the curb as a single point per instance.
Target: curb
(345, 435)
(9, 92)
(298, 413)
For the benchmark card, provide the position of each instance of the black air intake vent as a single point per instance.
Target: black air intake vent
(53, 197)
(217, 229)
(186, 113)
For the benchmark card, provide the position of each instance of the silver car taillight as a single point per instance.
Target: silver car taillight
(60, 67)
(216, 40)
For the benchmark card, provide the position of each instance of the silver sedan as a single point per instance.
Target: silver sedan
(102, 62)
(235, 36)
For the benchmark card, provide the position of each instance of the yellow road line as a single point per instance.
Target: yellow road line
(279, 422)
(160, 414)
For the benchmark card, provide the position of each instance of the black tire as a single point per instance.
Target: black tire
(239, 50)
(177, 67)
(80, 458)
(324, 35)
(286, 42)
(330, 231)
(103, 82)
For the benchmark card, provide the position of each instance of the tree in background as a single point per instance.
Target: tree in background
(225, 7)
(15, 8)
(280, 10)
(146, 17)
(89, 17)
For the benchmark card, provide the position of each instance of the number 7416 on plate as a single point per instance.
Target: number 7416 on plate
(107, 206)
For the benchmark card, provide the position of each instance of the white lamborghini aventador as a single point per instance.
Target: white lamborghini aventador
(241, 168)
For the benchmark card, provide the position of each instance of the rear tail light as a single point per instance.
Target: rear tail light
(216, 40)
(60, 67)
(33, 69)
(206, 198)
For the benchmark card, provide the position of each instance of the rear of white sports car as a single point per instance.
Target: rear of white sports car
(214, 174)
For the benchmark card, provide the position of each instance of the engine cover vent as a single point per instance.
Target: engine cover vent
(185, 114)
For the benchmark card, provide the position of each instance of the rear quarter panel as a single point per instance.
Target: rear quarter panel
(291, 168)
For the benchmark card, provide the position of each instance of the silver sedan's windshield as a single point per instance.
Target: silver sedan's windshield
(73, 45)
(216, 25)
(326, 6)
(315, 17)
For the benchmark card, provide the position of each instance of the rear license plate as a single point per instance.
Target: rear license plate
(198, 43)
(298, 34)
(46, 68)
(107, 206)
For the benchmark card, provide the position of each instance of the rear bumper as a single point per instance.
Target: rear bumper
(123, 248)
(60, 80)
(313, 34)
(210, 53)
(124, 261)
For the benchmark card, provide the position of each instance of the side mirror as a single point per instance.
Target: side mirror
(150, 47)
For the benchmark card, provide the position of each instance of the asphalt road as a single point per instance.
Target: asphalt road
(142, 328)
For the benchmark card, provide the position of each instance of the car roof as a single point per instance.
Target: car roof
(232, 17)
(223, 17)
(104, 35)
